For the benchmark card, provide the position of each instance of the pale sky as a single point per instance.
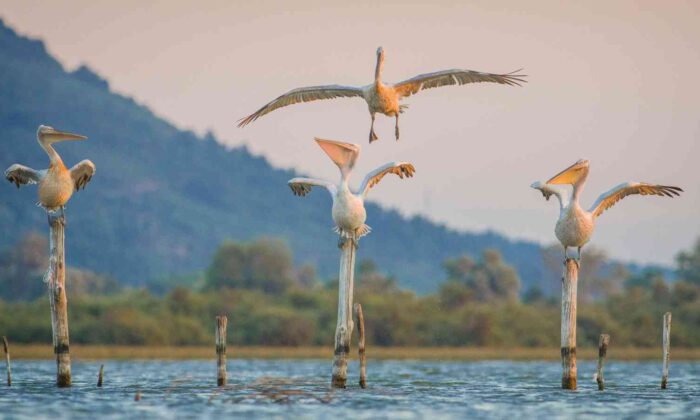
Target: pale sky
(614, 82)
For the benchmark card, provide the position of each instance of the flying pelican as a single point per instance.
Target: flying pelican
(57, 183)
(384, 98)
(575, 225)
(348, 208)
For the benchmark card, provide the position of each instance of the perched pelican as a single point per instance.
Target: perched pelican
(57, 183)
(575, 225)
(348, 208)
(384, 98)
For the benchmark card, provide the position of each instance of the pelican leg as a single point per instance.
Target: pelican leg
(341, 241)
(566, 256)
(396, 129)
(578, 260)
(372, 135)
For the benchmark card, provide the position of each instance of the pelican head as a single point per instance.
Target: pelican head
(48, 135)
(342, 154)
(572, 174)
(380, 64)
(539, 185)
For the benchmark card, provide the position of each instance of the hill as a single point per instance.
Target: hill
(163, 199)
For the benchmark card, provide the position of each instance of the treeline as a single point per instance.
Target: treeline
(269, 301)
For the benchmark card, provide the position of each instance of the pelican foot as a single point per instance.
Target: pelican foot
(396, 131)
(355, 243)
(372, 136)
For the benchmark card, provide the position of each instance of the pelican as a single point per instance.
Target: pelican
(575, 225)
(348, 207)
(381, 97)
(57, 183)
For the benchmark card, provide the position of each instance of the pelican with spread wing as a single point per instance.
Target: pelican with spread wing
(57, 183)
(348, 207)
(575, 225)
(384, 98)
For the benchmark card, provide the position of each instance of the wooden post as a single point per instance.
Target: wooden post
(100, 376)
(343, 330)
(56, 280)
(667, 349)
(360, 320)
(6, 347)
(221, 322)
(568, 324)
(602, 352)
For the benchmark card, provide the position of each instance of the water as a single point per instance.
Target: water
(397, 389)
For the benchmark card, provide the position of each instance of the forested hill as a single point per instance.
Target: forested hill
(163, 199)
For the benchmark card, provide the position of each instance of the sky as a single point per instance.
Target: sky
(613, 82)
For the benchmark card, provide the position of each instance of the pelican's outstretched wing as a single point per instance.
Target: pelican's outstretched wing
(454, 77)
(302, 186)
(82, 173)
(548, 190)
(305, 94)
(608, 199)
(399, 168)
(23, 175)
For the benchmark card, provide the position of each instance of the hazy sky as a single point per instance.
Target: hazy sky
(614, 82)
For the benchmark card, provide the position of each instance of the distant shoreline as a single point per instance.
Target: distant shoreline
(97, 352)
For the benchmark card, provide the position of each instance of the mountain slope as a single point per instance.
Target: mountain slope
(162, 200)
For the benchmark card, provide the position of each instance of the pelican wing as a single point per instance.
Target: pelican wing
(454, 77)
(302, 186)
(610, 198)
(82, 173)
(398, 168)
(305, 94)
(23, 175)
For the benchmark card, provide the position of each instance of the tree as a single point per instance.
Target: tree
(265, 264)
(22, 268)
(370, 279)
(688, 264)
(489, 279)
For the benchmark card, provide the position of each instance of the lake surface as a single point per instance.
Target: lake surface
(396, 389)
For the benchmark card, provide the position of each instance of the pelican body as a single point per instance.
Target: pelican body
(56, 183)
(348, 211)
(575, 225)
(384, 98)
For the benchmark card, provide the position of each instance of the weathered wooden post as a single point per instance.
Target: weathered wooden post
(56, 281)
(100, 376)
(221, 322)
(6, 347)
(344, 327)
(56, 186)
(667, 349)
(349, 216)
(568, 324)
(360, 320)
(602, 352)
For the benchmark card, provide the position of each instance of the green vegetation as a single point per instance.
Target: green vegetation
(270, 302)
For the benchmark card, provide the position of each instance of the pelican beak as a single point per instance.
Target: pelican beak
(342, 154)
(56, 136)
(571, 174)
